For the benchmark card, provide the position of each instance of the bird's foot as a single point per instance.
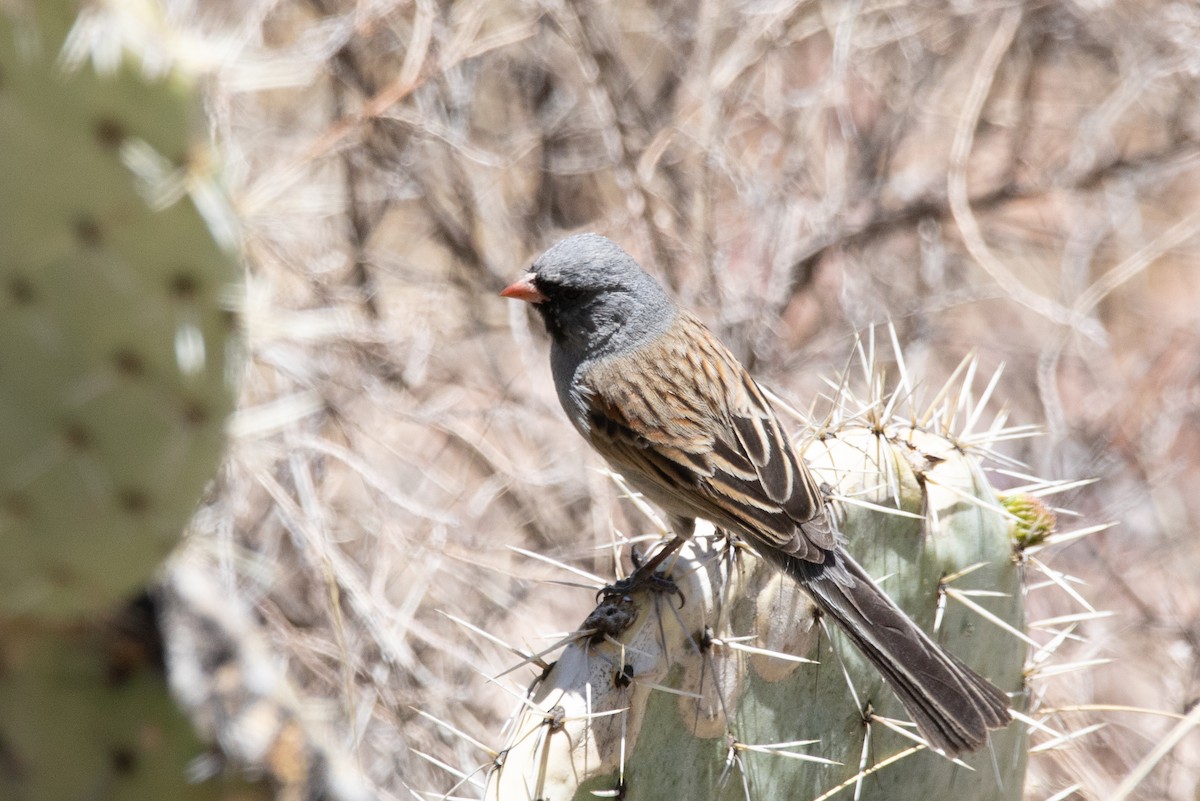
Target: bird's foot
(645, 576)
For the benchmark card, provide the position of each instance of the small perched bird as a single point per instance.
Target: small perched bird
(671, 409)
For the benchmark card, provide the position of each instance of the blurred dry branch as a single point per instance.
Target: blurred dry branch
(1018, 179)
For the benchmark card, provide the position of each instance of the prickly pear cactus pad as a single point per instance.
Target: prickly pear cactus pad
(86, 714)
(113, 387)
(742, 692)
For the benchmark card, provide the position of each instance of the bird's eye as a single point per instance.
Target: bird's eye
(567, 293)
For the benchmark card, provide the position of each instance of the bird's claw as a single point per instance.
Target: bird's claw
(655, 582)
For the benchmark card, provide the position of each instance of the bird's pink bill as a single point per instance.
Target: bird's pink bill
(523, 289)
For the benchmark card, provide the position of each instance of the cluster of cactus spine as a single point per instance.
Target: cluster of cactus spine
(742, 692)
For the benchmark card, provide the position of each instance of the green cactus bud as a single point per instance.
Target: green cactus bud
(1033, 520)
(113, 388)
(716, 698)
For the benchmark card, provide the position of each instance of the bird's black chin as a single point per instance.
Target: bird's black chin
(574, 328)
(552, 317)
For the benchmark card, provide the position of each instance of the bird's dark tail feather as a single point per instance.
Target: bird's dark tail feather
(952, 705)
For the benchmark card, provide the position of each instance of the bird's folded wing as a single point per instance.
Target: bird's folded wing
(684, 415)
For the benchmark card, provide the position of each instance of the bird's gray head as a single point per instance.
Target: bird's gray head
(594, 298)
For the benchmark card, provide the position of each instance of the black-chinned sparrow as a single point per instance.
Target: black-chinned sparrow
(672, 410)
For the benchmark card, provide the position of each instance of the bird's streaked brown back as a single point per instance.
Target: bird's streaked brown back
(741, 472)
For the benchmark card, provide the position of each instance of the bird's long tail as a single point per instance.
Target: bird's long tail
(952, 705)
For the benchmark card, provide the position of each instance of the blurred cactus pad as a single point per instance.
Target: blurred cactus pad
(742, 692)
(113, 390)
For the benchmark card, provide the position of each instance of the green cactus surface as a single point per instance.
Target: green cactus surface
(113, 385)
(707, 699)
(85, 713)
